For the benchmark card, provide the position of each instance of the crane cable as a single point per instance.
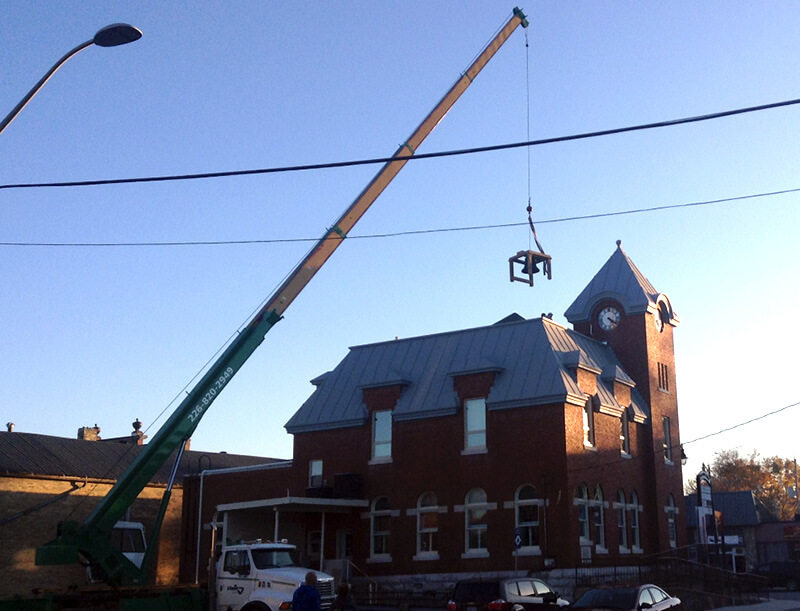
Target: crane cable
(528, 149)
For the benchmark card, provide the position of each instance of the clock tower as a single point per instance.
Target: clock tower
(621, 308)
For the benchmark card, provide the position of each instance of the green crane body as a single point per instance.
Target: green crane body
(89, 541)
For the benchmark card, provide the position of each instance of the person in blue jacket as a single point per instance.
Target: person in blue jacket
(306, 597)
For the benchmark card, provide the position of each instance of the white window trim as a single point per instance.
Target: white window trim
(623, 549)
(311, 476)
(374, 418)
(474, 553)
(475, 450)
(578, 501)
(625, 439)
(589, 429)
(672, 512)
(381, 460)
(666, 424)
(415, 512)
(531, 550)
(603, 505)
(636, 549)
(483, 449)
(526, 550)
(369, 515)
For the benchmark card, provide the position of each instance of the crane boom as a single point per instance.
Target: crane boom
(90, 539)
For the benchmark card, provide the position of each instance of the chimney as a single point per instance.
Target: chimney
(10, 427)
(89, 433)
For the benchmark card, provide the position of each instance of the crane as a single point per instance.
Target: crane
(89, 541)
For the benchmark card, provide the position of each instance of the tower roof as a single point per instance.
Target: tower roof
(621, 280)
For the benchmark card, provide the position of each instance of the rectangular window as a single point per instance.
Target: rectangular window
(475, 423)
(476, 529)
(528, 524)
(428, 530)
(624, 434)
(315, 474)
(663, 377)
(635, 534)
(622, 529)
(382, 434)
(588, 424)
(667, 440)
(380, 535)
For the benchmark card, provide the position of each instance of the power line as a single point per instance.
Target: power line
(452, 153)
(741, 424)
(402, 233)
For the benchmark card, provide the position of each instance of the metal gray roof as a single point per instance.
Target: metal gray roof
(739, 508)
(619, 279)
(535, 362)
(32, 454)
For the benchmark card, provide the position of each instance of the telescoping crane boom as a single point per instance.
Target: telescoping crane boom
(89, 541)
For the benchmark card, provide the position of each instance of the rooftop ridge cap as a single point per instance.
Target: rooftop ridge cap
(447, 333)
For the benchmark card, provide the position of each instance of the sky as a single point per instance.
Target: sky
(105, 334)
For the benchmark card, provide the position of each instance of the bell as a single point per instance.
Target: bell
(526, 270)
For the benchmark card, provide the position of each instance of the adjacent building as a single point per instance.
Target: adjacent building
(45, 480)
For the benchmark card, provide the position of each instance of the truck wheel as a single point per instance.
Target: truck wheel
(256, 606)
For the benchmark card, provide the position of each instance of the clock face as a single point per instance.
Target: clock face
(608, 318)
(659, 322)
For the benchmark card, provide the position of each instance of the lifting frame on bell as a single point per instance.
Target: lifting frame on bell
(529, 260)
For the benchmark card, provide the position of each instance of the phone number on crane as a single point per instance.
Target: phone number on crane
(211, 394)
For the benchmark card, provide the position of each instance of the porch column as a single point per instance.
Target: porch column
(322, 544)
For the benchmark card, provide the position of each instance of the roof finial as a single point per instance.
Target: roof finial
(619, 244)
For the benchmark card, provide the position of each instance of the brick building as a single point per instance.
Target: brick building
(522, 445)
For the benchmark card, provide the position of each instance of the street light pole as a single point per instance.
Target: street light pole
(110, 36)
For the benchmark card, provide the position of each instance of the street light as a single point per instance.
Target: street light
(110, 36)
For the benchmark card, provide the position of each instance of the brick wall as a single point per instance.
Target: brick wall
(20, 536)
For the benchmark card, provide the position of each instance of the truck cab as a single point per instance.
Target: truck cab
(263, 576)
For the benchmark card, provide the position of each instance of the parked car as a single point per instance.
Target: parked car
(512, 594)
(785, 574)
(646, 596)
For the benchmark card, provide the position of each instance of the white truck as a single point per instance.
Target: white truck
(262, 576)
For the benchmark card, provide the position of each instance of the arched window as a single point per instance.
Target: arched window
(582, 501)
(636, 539)
(427, 525)
(622, 522)
(526, 506)
(671, 528)
(380, 515)
(475, 523)
(599, 517)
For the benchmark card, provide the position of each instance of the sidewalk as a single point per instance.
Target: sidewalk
(768, 605)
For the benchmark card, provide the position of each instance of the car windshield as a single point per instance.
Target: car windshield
(611, 598)
(272, 558)
(479, 592)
